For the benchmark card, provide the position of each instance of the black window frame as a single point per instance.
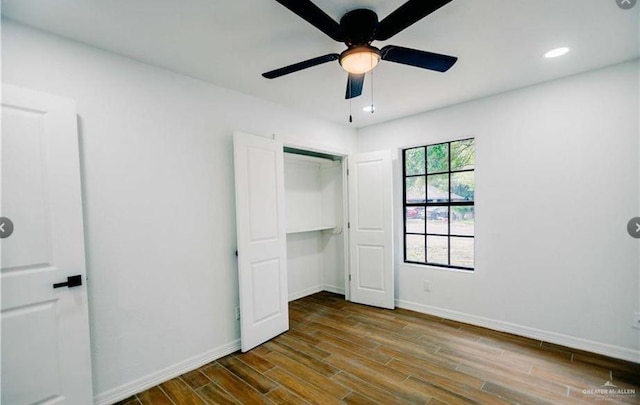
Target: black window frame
(449, 204)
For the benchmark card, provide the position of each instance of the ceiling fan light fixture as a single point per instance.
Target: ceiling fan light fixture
(360, 59)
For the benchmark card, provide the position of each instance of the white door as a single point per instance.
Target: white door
(262, 238)
(371, 229)
(45, 330)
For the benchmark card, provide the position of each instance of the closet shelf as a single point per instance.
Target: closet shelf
(311, 229)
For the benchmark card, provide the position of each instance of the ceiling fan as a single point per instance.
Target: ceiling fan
(358, 29)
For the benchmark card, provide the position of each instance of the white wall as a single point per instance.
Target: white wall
(157, 169)
(556, 182)
(304, 264)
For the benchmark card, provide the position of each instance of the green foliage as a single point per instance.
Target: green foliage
(462, 155)
(439, 187)
(437, 161)
(438, 158)
(414, 161)
(462, 212)
(463, 186)
(416, 190)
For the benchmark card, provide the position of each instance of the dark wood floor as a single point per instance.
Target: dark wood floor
(339, 352)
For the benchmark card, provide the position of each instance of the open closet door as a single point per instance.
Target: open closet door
(371, 229)
(262, 238)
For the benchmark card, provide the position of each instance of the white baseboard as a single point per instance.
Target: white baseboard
(309, 291)
(333, 289)
(158, 377)
(303, 293)
(617, 352)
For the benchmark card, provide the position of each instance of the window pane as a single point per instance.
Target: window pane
(437, 250)
(462, 220)
(415, 219)
(438, 220)
(462, 155)
(438, 158)
(414, 161)
(462, 186)
(462, 252)
(415, 248)
(415, 190)
(438, 188)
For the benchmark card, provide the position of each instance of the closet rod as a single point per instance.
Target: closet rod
(310, 153)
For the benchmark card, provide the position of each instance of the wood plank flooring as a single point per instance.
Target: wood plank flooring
(337, 352)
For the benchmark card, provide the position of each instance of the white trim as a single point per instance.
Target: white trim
(304, 160)
(311, 146)
(346, 231)
(158, 377)
(334, 289)
(418, 266)
(313, 290)
(307, 291)
(525, 331)
(439, 139)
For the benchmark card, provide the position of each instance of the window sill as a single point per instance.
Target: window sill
(429, 267)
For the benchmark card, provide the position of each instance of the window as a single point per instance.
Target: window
(439, 199)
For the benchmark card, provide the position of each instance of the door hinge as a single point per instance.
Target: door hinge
(349, 277)
(348, 225)
(347, 172)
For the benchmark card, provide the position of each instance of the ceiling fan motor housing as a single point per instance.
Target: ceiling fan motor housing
(359, 27)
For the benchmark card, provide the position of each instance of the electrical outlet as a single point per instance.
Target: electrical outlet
(237, 312)
(427, 285)
(636, 320)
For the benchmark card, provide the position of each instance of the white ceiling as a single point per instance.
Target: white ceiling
(499, 43)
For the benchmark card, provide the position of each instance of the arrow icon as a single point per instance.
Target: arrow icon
(633, 227)
(626, 4)
(6, 227)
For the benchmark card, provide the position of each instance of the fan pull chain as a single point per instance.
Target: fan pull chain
(372, 106)
(350, 116)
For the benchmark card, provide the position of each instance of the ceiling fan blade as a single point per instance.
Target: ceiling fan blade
(354, 85)
(312, 14)
(406, 15)
(421, 59)
(300, 66)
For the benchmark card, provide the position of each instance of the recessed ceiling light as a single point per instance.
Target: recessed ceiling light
(369, 108)
(554, 53)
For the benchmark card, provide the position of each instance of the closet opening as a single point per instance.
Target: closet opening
(306, 222)
(315, 198)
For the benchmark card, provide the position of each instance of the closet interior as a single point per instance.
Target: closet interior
(315, 218)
